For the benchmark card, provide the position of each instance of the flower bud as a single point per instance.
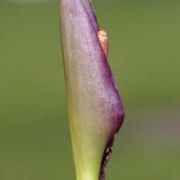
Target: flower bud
(95, 108)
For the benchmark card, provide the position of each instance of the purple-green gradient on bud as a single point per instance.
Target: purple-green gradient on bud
(95, 109)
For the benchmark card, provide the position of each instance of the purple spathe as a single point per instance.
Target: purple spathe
(95, 108)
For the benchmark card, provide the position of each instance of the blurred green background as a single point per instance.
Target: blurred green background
(145, 58)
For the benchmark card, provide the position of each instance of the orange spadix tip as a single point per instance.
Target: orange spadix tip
(103, 39)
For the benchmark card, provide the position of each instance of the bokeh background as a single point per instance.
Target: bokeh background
(145, 58)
